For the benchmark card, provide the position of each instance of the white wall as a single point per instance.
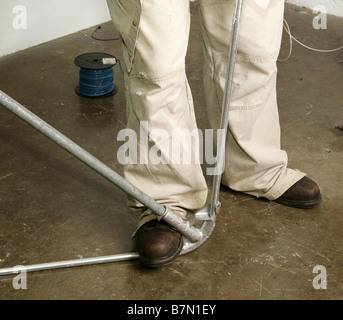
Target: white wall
(334, 7)
(50, 19)
(45, 20)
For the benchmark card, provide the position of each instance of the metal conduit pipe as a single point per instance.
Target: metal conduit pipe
(193, 237)
(94, 163)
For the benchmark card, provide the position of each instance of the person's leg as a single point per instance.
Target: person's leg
(155, 39)
(255, 163)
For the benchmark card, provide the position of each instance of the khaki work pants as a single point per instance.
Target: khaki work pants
(155, 37)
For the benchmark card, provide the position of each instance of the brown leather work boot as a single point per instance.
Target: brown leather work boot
(158, 244)
(304, 194)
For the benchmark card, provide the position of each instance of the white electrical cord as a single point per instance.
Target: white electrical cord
(292, 38)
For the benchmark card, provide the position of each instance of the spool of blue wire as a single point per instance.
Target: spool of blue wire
(96, 78)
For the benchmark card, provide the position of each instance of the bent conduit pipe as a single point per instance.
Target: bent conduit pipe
(50, 132)
(191, 234)
(193, 237)
(224, 121)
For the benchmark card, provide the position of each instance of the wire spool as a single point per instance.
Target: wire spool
(96, 75)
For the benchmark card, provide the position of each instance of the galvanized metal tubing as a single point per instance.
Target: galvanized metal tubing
(96, 164)
(193, 237)
(190, 233)
(68, 263)
(224, 123)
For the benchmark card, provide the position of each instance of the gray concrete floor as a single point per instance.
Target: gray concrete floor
(53, 207)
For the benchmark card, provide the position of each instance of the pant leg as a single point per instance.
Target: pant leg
(255, 163)
(155, 39)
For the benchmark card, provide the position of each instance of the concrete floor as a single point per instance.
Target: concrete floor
(53, 207)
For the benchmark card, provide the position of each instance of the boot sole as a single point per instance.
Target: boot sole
(309, 204)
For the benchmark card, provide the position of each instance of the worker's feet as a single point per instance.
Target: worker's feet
(304, 194)
(158, 244)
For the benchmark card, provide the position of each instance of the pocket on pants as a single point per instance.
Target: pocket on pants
(253, 80)
(125, 16)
